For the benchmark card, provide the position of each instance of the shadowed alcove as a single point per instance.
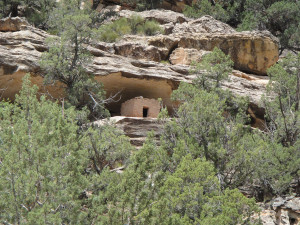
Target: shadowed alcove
(132, 87)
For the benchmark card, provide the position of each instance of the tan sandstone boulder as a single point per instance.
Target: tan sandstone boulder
(252, 52)
(13, 24)
(186, 56)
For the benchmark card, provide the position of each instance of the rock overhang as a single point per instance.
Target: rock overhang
(133, 76)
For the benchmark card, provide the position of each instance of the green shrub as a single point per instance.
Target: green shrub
(166, 62)
(204, 7)
(135, 21)
(111, 32)
(149, 28)
(107, 34)
(135, 24)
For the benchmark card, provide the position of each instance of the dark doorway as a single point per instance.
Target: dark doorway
(293, 221)
(145, 112)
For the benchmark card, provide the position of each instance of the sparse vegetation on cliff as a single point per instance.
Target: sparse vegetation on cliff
(280, 17)
(134, 25)
(58, 167)
(68, 56)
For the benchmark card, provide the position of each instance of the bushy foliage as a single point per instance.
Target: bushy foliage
(44, 160)
(67, 58)
(37, 12)
(150, 27)
(153, 192)
(204, 7)
(283, 111)
(113, 31)
(135, 24)
(55, 171)
(282, 139)
(214, 67)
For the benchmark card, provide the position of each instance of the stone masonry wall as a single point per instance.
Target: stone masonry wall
(134, 107)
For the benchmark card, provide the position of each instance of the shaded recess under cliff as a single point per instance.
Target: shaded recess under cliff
(131, 87)
(21, 48)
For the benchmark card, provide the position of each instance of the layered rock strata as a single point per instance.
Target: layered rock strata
(119, 66)
(252, 52)
(136, 128)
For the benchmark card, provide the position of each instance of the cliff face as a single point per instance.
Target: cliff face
(136, 128)
(281, 211)
(133, 65)
(252, 52)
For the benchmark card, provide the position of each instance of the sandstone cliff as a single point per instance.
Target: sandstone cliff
(281, 211)
(135, 128)
(132, 64)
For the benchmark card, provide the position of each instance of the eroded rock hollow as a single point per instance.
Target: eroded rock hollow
(132, 66)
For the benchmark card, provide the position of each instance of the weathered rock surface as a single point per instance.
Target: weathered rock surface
(136, 47)
(252, 52)
(281, 211)
(13, 24)
(135, 128)
(205, 24)
(161, 16)
(21, 50)
(186, 56)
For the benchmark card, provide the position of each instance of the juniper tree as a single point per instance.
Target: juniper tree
(152, 191)
(36, 11)
(192, 195)
(47, 161)
(205, 7)
(283, 111)
(42, 161)
(68, 57)
(280, 158)
(213, 68)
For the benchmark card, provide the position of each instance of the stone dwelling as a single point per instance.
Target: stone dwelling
(140, 107)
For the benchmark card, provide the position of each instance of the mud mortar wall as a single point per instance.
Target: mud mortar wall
(135, 107)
